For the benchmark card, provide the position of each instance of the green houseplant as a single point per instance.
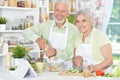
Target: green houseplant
(71, 18)
(3, 22)
(19, 52)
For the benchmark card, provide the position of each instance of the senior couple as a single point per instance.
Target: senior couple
(83, 44)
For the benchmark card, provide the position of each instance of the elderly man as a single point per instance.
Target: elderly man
(55, 37)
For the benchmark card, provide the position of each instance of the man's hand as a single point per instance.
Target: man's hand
(42, 43)
(50, 52)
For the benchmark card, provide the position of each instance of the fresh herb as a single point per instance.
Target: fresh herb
(12, 68)
(74, 71)
(19, 52)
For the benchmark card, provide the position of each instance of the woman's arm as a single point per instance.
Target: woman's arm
(108, 61)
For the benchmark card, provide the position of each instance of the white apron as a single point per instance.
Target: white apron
(58, 40)
(85, 50)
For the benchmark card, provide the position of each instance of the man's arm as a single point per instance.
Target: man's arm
(33, 33)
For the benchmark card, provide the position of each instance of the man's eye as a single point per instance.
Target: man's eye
(84, 20)
(76, 21)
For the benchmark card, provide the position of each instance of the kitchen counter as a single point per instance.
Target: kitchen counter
(56, 76)
(45, 75)
(52, 76)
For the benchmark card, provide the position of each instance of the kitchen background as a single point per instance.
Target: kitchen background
(22, 14)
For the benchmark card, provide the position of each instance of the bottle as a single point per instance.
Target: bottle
(29, 3)
(30, 21)
(41, 55)
(8, 61)
(33, 5)
(41, 19)
(5, 47)
(73, 6)
(46, 15)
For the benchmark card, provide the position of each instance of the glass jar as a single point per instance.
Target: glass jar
(23, 24)
(12, 3)
(28, 3)
(30, 21)
(20, 3)
(33, 4)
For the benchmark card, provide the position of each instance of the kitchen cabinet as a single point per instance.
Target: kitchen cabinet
(18, 16)
(14, 15)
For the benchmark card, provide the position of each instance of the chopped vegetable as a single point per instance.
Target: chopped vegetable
(99, 73)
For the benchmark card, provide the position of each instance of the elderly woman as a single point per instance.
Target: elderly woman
(92, 44)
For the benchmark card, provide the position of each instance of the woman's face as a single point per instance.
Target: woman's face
(60, 12)
(83, 24)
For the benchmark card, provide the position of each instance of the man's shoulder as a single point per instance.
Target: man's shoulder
(70, 25)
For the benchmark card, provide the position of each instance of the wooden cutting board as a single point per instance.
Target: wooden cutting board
(64, 73)
(83, 73)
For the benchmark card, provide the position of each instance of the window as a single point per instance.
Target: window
(113, 31)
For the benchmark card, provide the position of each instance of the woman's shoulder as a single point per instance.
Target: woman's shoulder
(101, 37)
(100, 33)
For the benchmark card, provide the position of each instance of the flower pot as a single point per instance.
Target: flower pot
(17, 60)
(2, 27)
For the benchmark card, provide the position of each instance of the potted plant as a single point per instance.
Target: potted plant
(3, 22)
(19, 52)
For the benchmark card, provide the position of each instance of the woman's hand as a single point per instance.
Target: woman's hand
(91, 68)
(77, 61)
(50, 52)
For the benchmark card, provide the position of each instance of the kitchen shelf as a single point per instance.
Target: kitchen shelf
(17, 8)
(11, 31)
(2, 54)
(27, 45)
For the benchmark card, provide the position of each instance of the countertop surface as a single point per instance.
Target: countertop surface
(52, 76)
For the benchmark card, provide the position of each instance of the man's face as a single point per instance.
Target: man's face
(61, 12)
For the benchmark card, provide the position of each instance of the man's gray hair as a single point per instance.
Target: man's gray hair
(63, 1)
(87, 13)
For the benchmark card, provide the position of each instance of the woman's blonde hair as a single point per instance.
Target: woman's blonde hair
(87, 13)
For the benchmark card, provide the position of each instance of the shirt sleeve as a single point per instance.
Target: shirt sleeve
(102, 39)
(33, 33)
